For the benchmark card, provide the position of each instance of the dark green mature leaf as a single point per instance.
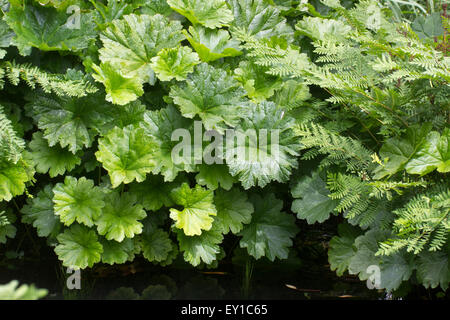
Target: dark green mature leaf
(118, 252)
(342, 248)
(263, 148)
(69, 122)
(258, 18)
(79, 247)
(429, 26)
(48, 29)
(214, 175)
(233, 210)
(7, 230)
(270, 231)
(160, 126)
(39, 212)
(54, 160)
(156, 245)
(200, 248)
(312, 199)
(433, 269)
(211, 94)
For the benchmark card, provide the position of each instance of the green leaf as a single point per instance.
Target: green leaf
(432, 154)
(154, 193)
(201, 248)
(7, 230)
(130, 43)
(212, 95)
(291, 95)
(270, 231)
(78, 200)
(323, 29)
(127, 154)
(39, 212)
(258, 84)
(156, 245)
(120, 89)
(118, 252)
(263, 147)
(12, 179)
(433, 269)
(212, 13)
(79, 247)
(54, 160)
(160, 126)
(48, 29)
(399, 150)
(212, 44)
(213, 176)
(233, 210)
(394, 269)
(12, 291)
(312, 199)
(429, 26)
(198, 207)
(174, 63)
(120, 217)
(71, 122)
(258, 18)
(342, 248)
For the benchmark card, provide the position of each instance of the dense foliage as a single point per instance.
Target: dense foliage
(356, 91)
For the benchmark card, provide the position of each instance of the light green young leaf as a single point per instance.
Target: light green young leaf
(48, 29)
(211, 94)
(79, 247)
(12, 179)
(212, 13)
(54, 160)
(39, 212)
(270, 231)
(258, 18)
(271, 150)
(78, 200)
(120, 217)
(312, 199)
(258, 84)
(214, 175)
(233, 210)
(118, 252)
(160, 126)
(198, 207)
(212, 44)
(174, 63)
(12, 291)
(127, 154)
(323, 29)
(130, 43)
(120, 89)
(433, 153)
(399, 150)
